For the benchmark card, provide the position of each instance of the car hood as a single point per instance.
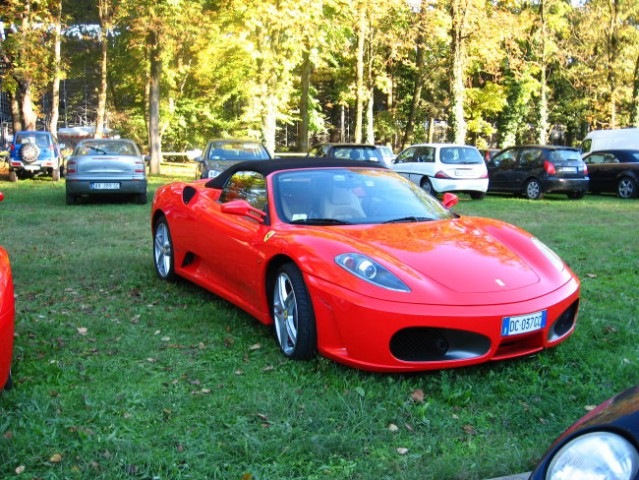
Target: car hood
(462, 259)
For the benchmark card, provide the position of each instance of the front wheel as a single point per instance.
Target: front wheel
(533, 190)
(293, 314)
(627, 188)
(163, 251)
(71, 199)
(477, 195)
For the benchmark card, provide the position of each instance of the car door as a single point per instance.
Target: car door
(602, 176)
(501, 171)
(230, 243)
(405, 163)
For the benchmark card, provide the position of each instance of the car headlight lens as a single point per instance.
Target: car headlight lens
(213, 173)
(550, 255)
(367, 269)
(595, 456)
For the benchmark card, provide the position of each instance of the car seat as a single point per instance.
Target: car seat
(341, 203)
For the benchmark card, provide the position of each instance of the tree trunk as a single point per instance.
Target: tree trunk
(269, 123)
(29, 117)
(155, 140)
(458, 9)
(417, 94)
(613, 52)
(302, 140)
(359, 113)
(55, 91)
(370, 110)
(102, 92)
(542, 134)
(634, 113)
(16, 117)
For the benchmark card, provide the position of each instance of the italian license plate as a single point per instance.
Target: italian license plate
(568, 169)
(464, 173)
(105, 186)
(523, 323)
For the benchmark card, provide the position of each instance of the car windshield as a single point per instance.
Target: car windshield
(237, 151)
(343, 196)
(357, 153)
(461, 156)
(101, 147)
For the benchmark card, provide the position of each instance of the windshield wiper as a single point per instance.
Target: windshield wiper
(320, 221)
(407, 219)
(96, 149)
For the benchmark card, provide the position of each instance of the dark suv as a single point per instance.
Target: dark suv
(222, 153)
(32, 153)
(533, 170)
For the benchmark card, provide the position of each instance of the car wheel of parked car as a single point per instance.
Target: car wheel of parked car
(578, 195)
(141, 198)
(427, 186)
(477, 195)
(13, 176)
(29, 152)
(163, 251)
(293, 314)
(627, 188)
(71, 199)
(533, 190)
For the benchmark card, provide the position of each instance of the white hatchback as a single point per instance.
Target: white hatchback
(444, 167)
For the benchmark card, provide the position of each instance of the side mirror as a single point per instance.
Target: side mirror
(450, 200)
(245, 209)
(198, 159)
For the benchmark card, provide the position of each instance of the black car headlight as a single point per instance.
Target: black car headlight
(367, 269)
(595, 456)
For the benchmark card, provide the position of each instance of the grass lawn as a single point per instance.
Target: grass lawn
(121, 376)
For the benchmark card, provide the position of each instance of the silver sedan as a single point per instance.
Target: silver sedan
(106, 167)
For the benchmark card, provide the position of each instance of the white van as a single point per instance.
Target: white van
(622, 138)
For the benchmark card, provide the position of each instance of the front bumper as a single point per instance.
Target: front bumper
(379, 335)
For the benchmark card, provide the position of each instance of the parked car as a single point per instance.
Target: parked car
(614, 171)
(7, 312)
(488, 153)
(221, 154)
(106, 166)
(351, 260)
(534, 170)
(388, 157)
(34, 153)
(346, 151)
(442, 167)
(615, 139)
(603, 444)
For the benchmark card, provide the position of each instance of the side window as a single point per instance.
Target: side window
(504, 160)
(595, 158)
(611, 158)
(247, 185)
(530, 158)
(405, 156)
(425, 154)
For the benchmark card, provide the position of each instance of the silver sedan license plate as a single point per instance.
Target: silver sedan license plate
(523, 323)
(105, 186)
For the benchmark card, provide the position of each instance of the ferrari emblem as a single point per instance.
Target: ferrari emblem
(268, 236)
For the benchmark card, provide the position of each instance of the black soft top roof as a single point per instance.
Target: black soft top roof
(266, 167)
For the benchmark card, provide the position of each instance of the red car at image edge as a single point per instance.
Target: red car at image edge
(350, 260)
(7, 312)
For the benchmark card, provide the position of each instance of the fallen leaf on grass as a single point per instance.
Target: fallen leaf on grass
(20, 469)
(393, 428)
(589, 408)
(417, 395)
(591, 275)
(55, 458)
(469, 429)
(257, 346)
(82, 330)
(402, 450)
(151, 360)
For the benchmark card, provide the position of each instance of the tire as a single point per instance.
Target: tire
(29, 152)
(578, 195)
(72, 199)
(293, 314)
(427, 186)
(627, 188)
(477, 195)
(13, 176)
(163, 256)
(533, 190)
(9, 383)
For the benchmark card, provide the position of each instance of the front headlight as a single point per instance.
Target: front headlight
(213, 173)
(367, 269)
(595, 456)
(550, 255)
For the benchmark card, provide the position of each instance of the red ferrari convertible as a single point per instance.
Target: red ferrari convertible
(351, 260)
(6, 318)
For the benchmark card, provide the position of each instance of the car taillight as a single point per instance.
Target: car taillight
(139, 167)
(71, 167)
(585, 169)
(441, 174)
(549, 167)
